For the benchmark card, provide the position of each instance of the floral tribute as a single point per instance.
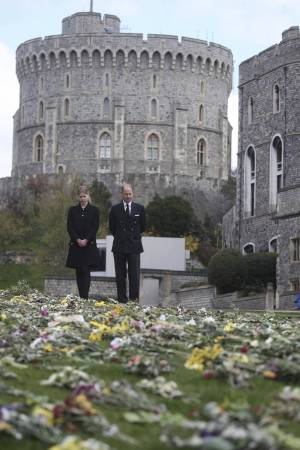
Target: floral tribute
(96, 375)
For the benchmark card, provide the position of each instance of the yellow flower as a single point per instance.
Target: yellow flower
(239, 357)
(229, 327)
(84, 403)
(3, 316)
(48, 348)
(99, 304)
(96, 335)
(44, 414)
(117, 310)
(19, 299)
(200, 357)
(64, 301)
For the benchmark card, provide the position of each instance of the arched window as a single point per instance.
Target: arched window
(276, 171)
(201, 113)
(153, 107)
(216, 67)
(62, 59)
(208, 65)
(107, 79)
(144, 59)
(248, 248)
(41, 110)
(52, 60)
(66, 107)
(152, 147)
(108, 58)
(250, 181)
(273, 245)
(250, 110)
(106, 106)
(120, 58)
(43, 62)
(156, 60)
(61, 169)
(201, 150)
(168, 61)
(38, 148)
(105, 146)
(179, 61)
(189, 62)
(73, 58)
(276, 98)
(199, 64)
(132, 59)
(96, 58)
(85, 58)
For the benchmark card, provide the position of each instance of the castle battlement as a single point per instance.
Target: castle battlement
(278, 55)
(159, 50)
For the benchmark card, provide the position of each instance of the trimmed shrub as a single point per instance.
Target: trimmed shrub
(227, 270)
(261, 269)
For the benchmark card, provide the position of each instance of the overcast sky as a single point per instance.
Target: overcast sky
(246, 27)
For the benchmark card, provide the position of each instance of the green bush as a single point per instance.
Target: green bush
(261, 269)
(227, 270)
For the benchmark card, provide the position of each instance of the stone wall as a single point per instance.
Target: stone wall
(101, 287)
(276, 213)
(194, 298)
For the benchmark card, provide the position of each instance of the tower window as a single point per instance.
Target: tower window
(276, 98)
(250, 182)
(152, 147)
(201, 148)
(201, 113)
(106, 106)
(41, 110)
(295, 249)
(105, 146)
(153, 107)
(66, 107)
(250, 110)
(276, 171)
(154, 82)
(38, 148)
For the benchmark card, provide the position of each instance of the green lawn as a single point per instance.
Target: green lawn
(232, 394)
(34, 274)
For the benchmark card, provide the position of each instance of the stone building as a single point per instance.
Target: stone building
(102, 103)
(266, 216)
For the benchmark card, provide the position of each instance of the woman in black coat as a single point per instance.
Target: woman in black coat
(83, 224)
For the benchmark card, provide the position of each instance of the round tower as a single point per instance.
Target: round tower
(98, 102)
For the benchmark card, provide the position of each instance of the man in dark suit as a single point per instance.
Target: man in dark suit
(127, 221)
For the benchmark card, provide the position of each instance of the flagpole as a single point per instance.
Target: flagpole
(91, 6)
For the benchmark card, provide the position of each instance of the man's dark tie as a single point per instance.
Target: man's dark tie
(127, 211)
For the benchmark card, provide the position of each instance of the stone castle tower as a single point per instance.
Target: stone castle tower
(266, 216)
(106, 104)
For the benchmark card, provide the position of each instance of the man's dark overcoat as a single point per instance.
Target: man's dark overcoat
(127, 230)
(83, 224)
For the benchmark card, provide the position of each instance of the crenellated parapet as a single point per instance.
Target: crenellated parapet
(106, 49)
(274, 57)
